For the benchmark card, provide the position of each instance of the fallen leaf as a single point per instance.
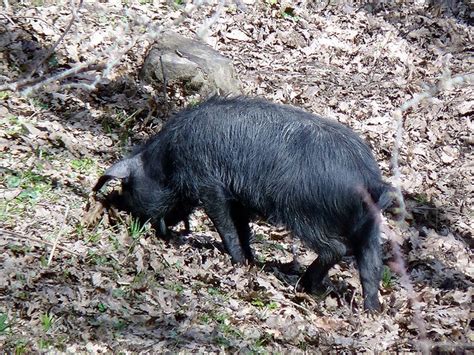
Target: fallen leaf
(237, 35)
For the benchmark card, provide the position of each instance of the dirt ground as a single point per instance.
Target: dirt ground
(115, 287)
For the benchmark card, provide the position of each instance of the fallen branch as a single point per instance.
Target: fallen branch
(60, 39)
(14, 235)
(110, 58)
(39, 82)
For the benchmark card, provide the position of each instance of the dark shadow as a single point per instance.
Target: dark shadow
(21, 49)
(460, 10)
(428, 270)
(427, 215)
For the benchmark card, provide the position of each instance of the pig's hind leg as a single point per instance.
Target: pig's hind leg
(219, 208)
(329, 253)
(369, 261)
(242, 222)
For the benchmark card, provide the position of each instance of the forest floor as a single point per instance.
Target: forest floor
(118, 288)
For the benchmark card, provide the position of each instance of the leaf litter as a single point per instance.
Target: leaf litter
(111, 287)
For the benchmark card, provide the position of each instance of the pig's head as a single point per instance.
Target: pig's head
(142, 195)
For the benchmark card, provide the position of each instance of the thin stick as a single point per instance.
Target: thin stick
(9, 19)
(446, 82)
(29, 85)
(41, 81)
(204, 29)
(7, 233)
(56, 44)
(165, 82)
(55, 243)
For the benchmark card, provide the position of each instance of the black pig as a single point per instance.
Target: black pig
(241, 157)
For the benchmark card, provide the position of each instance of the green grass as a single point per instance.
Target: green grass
(18, 249)
(21, 347)
(11, 125)
(102, 307)
(118, 293)
(421, 198)
(53, 61)
(176, 287)
(227, 333)
(259, 345)
(23, 295)
(194, 102)
(222, 341)
(93, 238)
(44, 344)
(136, 229)
(387, 280)
(39, 104)
(115, 242)
(47, 321)
(31, 183)
(85, 165)
(44, 261)
(226, 330)
(32, 188)
(215, 292)
(44, 154)
(289, 13)
(3, 323)
(205, 319)
(38, 2)
(120, 324)
(93, 258)
(262, 303)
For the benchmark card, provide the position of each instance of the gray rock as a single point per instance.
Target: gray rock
(190, 63)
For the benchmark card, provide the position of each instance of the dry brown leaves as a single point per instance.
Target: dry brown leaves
(115, 287)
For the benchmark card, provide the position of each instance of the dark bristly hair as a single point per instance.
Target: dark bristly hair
(241, 157)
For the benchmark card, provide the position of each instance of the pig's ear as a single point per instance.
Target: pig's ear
(120, 170)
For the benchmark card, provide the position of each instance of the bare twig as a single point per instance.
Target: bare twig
(41, 81)
(8, 18)
(55, 243)
(7, 233)
(80, 68)
(55, 45)
(445, 83)
(113, 56)
(203, 30)
(398, 265)
(165, 81)
(395, 165)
